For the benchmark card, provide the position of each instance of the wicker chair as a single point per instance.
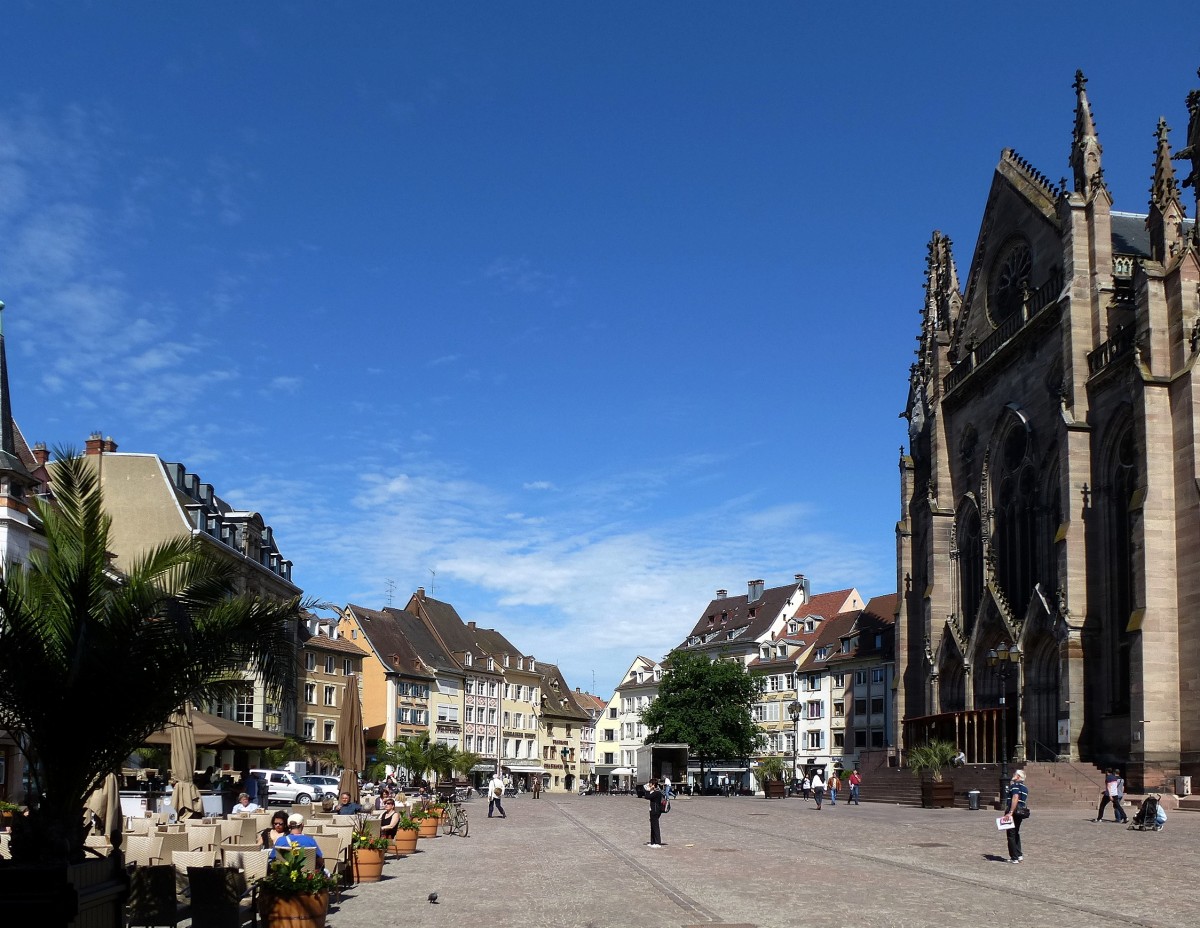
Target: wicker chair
(152, 898)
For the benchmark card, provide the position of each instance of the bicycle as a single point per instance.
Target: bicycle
(455, 821)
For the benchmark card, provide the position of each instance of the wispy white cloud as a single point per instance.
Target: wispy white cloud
(538, 485)
(518, 275)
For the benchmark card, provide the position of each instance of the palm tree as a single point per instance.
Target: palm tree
(92, 661)
(412, 753)
(466, 761)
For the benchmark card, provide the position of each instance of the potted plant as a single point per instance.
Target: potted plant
(927, 761)
(367, 850)
(8, 811)
(427, 823)
(771, 771)
(292, 895)
(405, 842)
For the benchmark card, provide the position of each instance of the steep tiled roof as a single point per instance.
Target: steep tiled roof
(830, 633)
(323, 642)
(876, 618)
(557, 697)
(387, 636)
(733, 617)
(451, 629)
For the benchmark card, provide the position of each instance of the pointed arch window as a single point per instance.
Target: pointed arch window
(1016, 536)
(1120, 513)
(970, 563)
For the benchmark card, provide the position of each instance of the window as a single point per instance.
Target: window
(876, 705)
(612, 712)
(860, 678)
(505, 660)
(447, 713)
(877, 739)
(243, 708)
(839, 708)
(491, 717)
(793, 627)
(405, 716)
(814, 681)
(330, 696)
(860, 707)
(839, 681)
(507, 746)
(310, 728)
(507, 720)
(402, 689)
(518, 720)
(354, 634)
(470, 713)
(822, 653)
(507, 689)
(347, 667)
(610, 735)
(860, 739)
(467, 659)
(491, 687)
(310, 661)
(815, 709)
(491, 746)
(329, 664)
(845, 648)
(491, 665)
(469, 686)
(781, 650)
(877, 675)
(329, 730)
(608, 757)
(839, 739)
(310, 693)
(814, 740)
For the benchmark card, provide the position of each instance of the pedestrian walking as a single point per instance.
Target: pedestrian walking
(537, 786)
(818, 789)
(805, 786)
(1118, 801)
(495, 795)
(1109, 793)
(834, 784)
(1017, 810)
(654, 793)
(855, 782)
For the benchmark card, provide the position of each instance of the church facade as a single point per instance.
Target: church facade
(1051, 490)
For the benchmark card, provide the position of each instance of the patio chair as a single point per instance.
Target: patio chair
(217, 897)
(203, 837)
(171, 841)
(143, 850)
(336, 853)
(5, 838)
(152, 899)
(138, 825)
(181, 860)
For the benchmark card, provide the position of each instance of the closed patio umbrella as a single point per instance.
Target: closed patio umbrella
(105, 804)
(351, 746)
(185, 799)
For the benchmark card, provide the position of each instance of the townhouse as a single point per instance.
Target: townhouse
(327, 661)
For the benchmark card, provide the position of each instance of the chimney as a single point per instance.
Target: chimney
(40, 454)
(94, 444)
(109, 446)
(420, 592)
(754, 591)
(802, 583)
(721, 594)
(470, 625)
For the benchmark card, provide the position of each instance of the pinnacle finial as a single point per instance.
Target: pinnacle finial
(1085, 144)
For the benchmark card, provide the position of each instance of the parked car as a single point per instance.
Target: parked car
(322, 785)
(285, 788)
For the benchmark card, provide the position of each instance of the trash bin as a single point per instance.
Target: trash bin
(1183, 786)
(973, 800)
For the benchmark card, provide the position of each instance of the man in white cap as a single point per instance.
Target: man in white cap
(297, 838)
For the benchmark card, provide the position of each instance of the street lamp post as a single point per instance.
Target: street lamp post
(794, 709)
(564, 753)
(1004, 660)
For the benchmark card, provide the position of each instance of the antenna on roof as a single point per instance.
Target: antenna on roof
(390, 584)
(432, 581)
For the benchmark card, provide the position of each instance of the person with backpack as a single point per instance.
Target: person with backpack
(495, 794)
(818, 788)
(659, 805)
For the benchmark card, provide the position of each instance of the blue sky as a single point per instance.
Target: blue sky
(571, 313)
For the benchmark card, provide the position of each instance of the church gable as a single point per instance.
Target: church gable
(1018, 252)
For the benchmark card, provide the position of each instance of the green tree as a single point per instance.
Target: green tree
(291, 750)
(707, 705)
(92, 661)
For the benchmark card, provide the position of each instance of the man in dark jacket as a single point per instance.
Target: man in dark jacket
(652, 792)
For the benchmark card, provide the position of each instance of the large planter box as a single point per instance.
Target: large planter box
(404, 843)
(306, 910)
(428, 828)
(937, 795)
(368, 865)
(775, 789)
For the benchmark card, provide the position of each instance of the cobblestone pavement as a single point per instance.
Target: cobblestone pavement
(565, 861)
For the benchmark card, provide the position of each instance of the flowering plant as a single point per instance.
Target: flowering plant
(289, 875)
(407, 824)
(364, 839)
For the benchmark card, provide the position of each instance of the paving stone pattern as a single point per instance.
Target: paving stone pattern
(568, 861)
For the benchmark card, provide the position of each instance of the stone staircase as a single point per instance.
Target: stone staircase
(1059, 785)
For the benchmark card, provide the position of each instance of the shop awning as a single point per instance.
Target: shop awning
(521, 768)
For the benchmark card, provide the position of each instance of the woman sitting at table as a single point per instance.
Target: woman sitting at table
(278, 829)
(389, 822)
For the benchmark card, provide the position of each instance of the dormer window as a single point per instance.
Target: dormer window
(793, 627)
(764, 652)
(491, 664)
(845, 645)
(781, 650)
(809, 625)
(822, 653)
(467, 659)
(505, 660)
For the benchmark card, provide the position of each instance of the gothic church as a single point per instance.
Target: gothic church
(1051, 493)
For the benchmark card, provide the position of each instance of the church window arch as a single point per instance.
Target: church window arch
(1015, 503)
(1119, 513)
(968, 531)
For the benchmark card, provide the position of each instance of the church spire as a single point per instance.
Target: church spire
(1165, 220)
(10, 461)
(1191, 149)
(1085, 145)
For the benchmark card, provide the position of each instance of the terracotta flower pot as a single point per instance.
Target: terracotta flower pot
(404, 843)
(368, 865)
(428, 828)
(303, 910)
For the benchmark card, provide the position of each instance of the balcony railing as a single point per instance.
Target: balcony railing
(1035, 302)
(1121, 344)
